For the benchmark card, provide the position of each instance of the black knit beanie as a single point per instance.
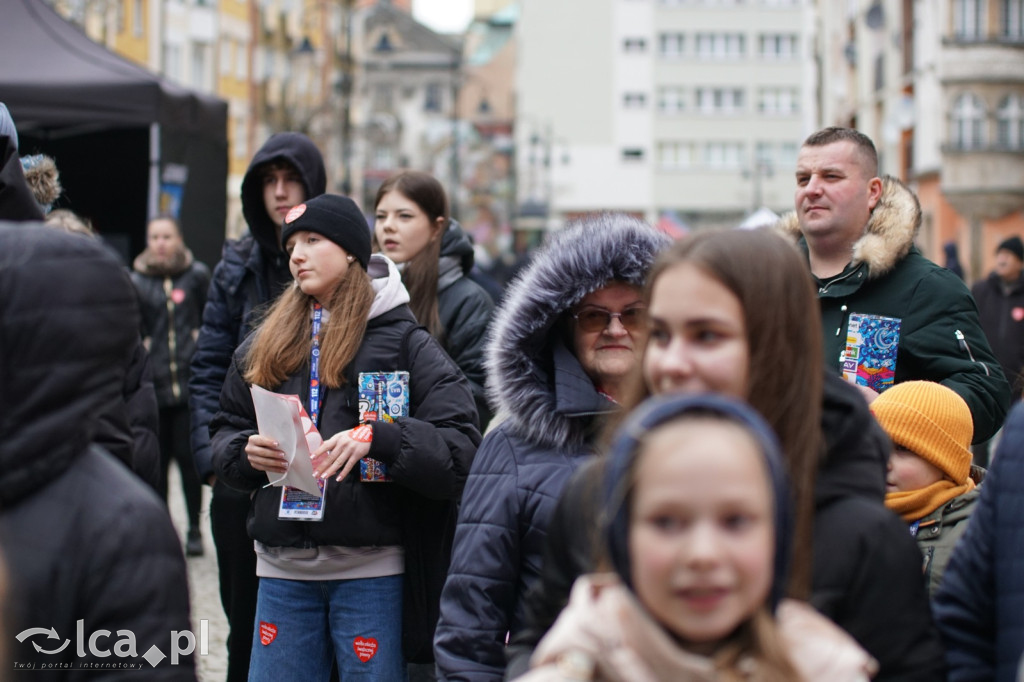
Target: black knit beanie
(1014, 245)
(335, 217)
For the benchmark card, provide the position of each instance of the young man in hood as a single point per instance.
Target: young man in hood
(287, 170)
(858, 230)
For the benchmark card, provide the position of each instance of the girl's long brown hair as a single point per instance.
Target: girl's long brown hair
(283, 340)
(786, 370)
(420, 273)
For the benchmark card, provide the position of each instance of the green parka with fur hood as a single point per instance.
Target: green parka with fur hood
(888, 276)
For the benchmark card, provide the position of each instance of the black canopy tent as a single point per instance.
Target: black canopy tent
(128, 143)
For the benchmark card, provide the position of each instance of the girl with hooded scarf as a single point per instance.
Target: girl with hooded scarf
(698, 538)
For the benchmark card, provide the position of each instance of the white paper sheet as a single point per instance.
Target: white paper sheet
(282, 418)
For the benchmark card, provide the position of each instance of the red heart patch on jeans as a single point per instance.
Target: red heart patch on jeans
(365, 647)
(268, 632)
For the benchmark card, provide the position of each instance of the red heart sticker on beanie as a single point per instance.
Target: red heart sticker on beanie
(268, 633)
(365, 648)
(295, 213)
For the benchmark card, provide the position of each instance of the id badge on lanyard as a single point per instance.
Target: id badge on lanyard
(298, 505)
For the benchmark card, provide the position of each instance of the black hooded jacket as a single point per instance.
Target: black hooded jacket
(83, 539)
(465, 310)
(252, 271)
(16, 200)
(867, 569)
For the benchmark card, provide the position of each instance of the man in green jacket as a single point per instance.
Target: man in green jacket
(858, 231)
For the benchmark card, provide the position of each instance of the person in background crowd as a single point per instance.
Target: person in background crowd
(334, 590)
(42, 176)
(979, 606)
(858, 233)
(287, 170)
(561, 345)
(723, 308)
(87, 545)
(68, 221)
(172, 288)
(1000, 299)
(435, 256)
(698, 532)
(929, 481)
(952, 259)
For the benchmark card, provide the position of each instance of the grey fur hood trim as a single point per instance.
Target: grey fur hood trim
(890, 231)
(582, 257)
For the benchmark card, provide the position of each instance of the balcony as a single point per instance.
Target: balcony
(991, 61)
(986, 182)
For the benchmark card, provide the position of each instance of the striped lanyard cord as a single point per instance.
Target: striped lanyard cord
(314, 367)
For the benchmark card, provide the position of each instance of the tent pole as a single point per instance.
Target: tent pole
(154, 171)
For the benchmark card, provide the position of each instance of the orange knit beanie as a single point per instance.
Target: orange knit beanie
(931, 421)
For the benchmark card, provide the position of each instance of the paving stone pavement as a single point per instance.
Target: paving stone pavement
(203, 585)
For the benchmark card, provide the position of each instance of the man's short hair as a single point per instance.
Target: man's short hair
(862, 142)
(276, 164)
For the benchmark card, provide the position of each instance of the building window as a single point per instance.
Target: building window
(787, 154)
(778, 45)
(720, 45)
(433, 97)
(634, 100)
(675, 155)
(200, 61)
(383, 158)
(967, 122)
(1013, 19)
(634, 45)
(227, 51)
(720, 100)
(172, 62)
(633, 154)
(670, 45)
(383, 97)
(969, 19)
(1010, 123)
(137, 19)
(239, 148)
(778, 101)
(723, 155)
(670, 100)
(241, 61)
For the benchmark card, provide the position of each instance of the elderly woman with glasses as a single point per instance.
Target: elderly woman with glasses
(570, 331)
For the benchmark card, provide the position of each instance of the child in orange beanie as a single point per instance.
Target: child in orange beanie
(929, 479)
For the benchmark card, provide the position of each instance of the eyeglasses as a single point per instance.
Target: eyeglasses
(599, 319)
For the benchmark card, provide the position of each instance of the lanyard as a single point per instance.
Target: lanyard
(314, 367)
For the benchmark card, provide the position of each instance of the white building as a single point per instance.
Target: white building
(691, 110)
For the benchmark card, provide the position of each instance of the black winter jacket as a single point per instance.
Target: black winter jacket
(83, 539)
(1002, 317)
(428, 454)
(867, 569)
(979, 607)
(552, 413)
(465, 311)
(251, 273)
(171, 305)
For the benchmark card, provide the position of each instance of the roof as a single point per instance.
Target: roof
(53, 76)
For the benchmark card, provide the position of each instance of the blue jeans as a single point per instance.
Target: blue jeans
(304, 625)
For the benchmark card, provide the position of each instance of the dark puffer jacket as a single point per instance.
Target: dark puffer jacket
(171, 303)
(888, 276)
(428, 454)
(980, 604)
(465, 311)
(1002, 317)
(552, 413)
(867, 570)
(252, 272)
(83, 539)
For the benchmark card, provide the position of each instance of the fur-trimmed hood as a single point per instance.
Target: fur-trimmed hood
(890, 231)
(574, 262)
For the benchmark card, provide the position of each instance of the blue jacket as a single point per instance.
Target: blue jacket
(251, 273)
(979, 607)
(552, 413)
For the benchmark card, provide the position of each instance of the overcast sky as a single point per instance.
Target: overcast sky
(444, 16)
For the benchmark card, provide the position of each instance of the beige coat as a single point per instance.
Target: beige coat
(604, 634)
